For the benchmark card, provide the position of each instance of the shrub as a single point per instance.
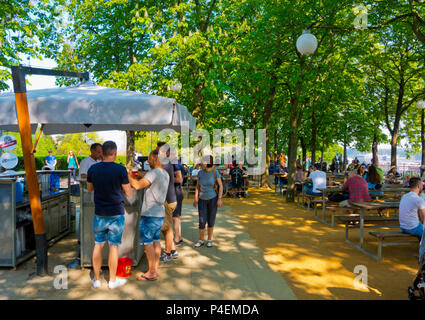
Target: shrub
(60, 164)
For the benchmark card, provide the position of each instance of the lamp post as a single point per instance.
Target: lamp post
(306, 44)
(421, 106)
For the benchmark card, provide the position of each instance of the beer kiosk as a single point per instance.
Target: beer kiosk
(82, 108)
(130, 245)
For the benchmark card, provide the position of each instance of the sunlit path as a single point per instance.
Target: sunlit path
(233, 269)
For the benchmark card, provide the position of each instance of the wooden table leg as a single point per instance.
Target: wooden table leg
(361, 227)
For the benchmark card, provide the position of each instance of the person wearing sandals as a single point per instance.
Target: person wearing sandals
(207, 199)
(156, 183)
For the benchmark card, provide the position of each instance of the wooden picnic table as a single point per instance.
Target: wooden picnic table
(227, 177)
(325, 192)
(338, 189)
(368, 206)
(395, 190)
(279, 174)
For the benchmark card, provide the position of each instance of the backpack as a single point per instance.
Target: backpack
(336, 197)
(216, 186)
(237, 177)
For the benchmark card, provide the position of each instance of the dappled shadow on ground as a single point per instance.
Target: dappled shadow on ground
(260, 242)
(314, 257)
(233, 269)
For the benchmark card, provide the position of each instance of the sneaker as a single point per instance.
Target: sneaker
(75, 264)
(209, 244)
(165, 257)
(200, 243)
(177, 243)
(117, 283)
(174, 254)
(95, 283)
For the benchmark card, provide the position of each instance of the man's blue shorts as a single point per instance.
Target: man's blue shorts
(150, 229)
(418, 231)
(111, 227)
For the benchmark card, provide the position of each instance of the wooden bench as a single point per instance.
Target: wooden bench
(313, 200)
(367, 219)
(337, 211)
(381, 236)
(350, 222)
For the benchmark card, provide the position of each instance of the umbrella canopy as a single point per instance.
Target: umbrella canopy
(88, 107)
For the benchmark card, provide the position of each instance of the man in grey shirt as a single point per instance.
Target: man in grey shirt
(152, 216)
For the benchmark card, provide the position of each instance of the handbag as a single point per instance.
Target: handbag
(336, 197)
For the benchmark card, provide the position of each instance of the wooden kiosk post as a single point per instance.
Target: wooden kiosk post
(22, 112)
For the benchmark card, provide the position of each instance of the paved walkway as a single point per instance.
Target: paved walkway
(233, 269)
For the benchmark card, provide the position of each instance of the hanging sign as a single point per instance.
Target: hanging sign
(7, 142)
(8, 160)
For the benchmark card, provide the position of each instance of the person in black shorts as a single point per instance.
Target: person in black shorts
(110, 183)
(178, 185)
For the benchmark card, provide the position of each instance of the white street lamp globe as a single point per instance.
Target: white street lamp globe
(420, 104)
(176, 86)
(306, 43)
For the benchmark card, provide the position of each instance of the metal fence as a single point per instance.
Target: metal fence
(410, 169)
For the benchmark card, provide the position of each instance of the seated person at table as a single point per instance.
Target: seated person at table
(298, 162)
(283, 179)
(310, 170)
(357, 189)
(195, 173)
(299, 176)
(318, 179)
(374, 181)
(392, 175)
(412, 209)
(378, 169)
(237, 174)
(274, 167)
(361, 171)
(351, 166)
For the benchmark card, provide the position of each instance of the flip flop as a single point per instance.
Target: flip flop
(144, 278)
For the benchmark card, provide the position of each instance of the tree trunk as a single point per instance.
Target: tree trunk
(130, 147)
(292, 146)
(292, 158)
(275, 142)
(293, 137)
(375, 159)
(265, 175)
(394, 148)
(344, 166)
(304, 153)
(266, 119)
(313, 138)
(423, 137)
